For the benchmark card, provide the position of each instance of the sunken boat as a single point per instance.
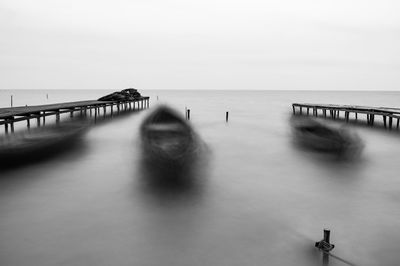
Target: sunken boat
(322, 137)
(167, 137)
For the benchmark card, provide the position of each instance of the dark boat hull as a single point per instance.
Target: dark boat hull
(317, 136)
(39, 143)
(167, 138)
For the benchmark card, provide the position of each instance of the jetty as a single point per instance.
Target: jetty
(353, 112)
(9, 116)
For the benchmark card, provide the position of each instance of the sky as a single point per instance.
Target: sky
(207, 44)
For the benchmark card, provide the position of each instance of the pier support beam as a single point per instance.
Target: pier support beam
(58, 116)
(384, 121)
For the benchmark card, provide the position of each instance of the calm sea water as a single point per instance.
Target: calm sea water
(257, 199)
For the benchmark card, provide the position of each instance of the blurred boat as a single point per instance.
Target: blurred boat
(40, 142)
(318, 136)
(167, 137)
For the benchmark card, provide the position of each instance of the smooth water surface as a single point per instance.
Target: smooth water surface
(255, 199)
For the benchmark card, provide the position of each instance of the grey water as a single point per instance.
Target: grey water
(257, 199)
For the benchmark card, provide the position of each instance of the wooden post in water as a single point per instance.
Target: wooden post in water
(28, 122)
(390, 122)
(227, 116)
(58, 116)
(188, 114)
(11, 100)
(12, 124)
(384, 120)
(325, 245)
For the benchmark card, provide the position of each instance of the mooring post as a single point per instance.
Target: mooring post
(227, 116)
(398, 120)
(390, 122)
(308, 110)
(28, 122)
(294, 112)
(188, 114)
(325, 244)
(301, 110)
(6, 126)
(11, 100)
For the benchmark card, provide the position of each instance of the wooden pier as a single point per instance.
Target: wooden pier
(356, 112)
(9, 116)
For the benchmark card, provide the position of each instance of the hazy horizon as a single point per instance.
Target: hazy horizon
(222, 45)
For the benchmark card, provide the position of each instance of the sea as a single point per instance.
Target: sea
(256, 197)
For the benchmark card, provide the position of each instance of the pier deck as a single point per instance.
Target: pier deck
(387, 114)
(8, 116)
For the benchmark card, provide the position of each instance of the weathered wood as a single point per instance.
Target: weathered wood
(8, 116)
(388, 114)
(24, 110)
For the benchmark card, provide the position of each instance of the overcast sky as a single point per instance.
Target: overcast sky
(207, 44)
